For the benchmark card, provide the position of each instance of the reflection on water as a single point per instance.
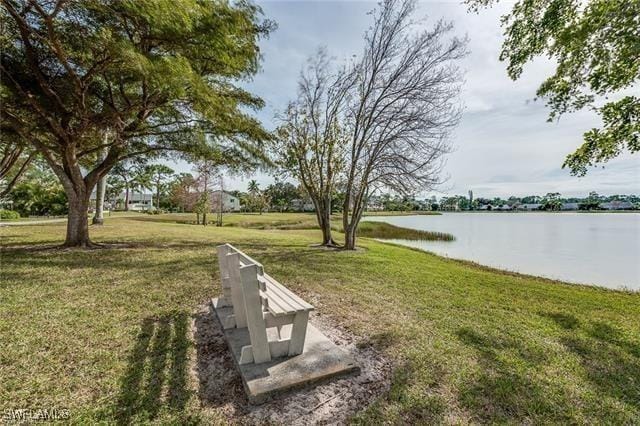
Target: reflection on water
(599, 248)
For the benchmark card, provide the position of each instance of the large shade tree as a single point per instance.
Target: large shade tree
(596, 46)
(153, 76)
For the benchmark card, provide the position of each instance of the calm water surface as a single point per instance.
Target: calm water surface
(601, 249)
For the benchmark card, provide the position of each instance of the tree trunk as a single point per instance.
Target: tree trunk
(351, 226)
(158, 196)
(323, 214)
(78, 220)
(98, 217)
(327, 239)
(126, 197)
(350, 237)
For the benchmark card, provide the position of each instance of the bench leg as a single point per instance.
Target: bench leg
(229, 322)
(233, 264)
(298, 333)
(225, 297)
(253, 310)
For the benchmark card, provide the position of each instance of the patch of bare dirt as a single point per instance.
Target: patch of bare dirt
(330, 402)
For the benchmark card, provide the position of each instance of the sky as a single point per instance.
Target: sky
(503, 145)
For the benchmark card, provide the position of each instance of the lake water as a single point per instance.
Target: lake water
(600, 249)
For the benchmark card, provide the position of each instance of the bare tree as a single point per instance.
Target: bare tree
(312, 142)
(183, 192)
(220, 201)
(207, 171)
(402, 105)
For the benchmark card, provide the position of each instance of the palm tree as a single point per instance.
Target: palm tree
(256, 197)
(253, 187)
(142, 180)
(158, 174)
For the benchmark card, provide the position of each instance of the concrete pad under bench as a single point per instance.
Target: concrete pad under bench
(321, 359)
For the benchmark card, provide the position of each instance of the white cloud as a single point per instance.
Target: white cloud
(503, 146)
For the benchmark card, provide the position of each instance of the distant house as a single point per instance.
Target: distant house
(485, 207)
(230, 203)
(570, 206)
(616, 205)
(374, 204)
(529, 206)
(138, 201)
(504, 207)
(301, 205)
(450, 207)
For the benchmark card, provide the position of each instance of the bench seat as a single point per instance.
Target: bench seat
(279, 300)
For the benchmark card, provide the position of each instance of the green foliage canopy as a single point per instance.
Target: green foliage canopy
(134, 77)
(596, 44)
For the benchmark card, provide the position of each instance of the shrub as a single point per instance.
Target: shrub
(9, 214)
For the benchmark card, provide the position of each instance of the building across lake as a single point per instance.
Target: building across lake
(616, 205)
(613, 205)
(138, 201)
(230, 203)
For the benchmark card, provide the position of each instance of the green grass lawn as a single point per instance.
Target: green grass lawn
(104, 333)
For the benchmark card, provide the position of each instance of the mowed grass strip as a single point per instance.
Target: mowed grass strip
(105, 333)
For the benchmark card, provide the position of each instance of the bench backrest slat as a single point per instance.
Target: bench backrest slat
(287, 296)
(279, 299)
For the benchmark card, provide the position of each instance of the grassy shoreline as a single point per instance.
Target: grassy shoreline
(307, 221)
(515, 274)
(387, 231)
(470, 344)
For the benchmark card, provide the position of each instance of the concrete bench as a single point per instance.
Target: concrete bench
(275, 317)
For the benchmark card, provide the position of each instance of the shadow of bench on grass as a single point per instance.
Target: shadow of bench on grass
(156, 376)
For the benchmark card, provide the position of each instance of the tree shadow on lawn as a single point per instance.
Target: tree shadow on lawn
(504, 389)
(106, 245)
(610, 362)
(508, 388)
(566, 321)
(156, 376)
(18, 262)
